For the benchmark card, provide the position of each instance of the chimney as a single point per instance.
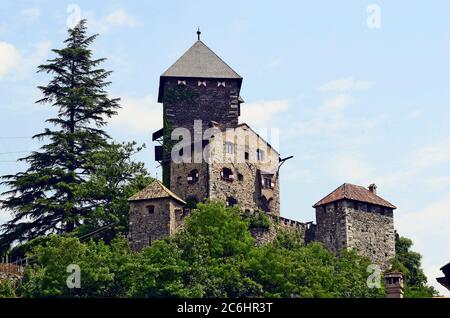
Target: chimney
(394, 284)
(373, 188)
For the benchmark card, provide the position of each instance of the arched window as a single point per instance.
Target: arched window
(192, 176)
(227, 174)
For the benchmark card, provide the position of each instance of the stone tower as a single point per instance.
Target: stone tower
(201, 92)
(155, 212)
(354, 217)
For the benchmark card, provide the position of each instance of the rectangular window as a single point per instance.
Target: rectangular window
(151, 209)
(267, 183)
(260, 154)
(229, 148)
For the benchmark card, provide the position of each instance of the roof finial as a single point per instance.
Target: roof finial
(198, 33)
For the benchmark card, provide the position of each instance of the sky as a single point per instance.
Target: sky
(359, 91)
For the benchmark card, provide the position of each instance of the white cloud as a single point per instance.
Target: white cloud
(349, 168)
(138, 115)
(436, 154)
(117, 18)
(9, 58)
(261, 113)
(120, 18)
(346, 85)
(339, 102)
(415, 114)
(30, 13)
(324, 119)
(21, 65)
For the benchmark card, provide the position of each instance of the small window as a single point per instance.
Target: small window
(260, 154)
(231, 201)
(355, 205)
(150, 209)
(240, 177)
(268, 183)
(246, 155)
(229, 148)
(192, 176)
(227, 174)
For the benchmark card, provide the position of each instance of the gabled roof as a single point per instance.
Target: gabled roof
(356, 193)
(200, 61)
(155, 190)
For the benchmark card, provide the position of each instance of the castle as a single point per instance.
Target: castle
(205, 153)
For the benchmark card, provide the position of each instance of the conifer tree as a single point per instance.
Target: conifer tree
(55, 193)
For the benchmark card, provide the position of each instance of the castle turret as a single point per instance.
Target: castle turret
(354, 217)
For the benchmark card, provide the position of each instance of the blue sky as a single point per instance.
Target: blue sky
(353, 103)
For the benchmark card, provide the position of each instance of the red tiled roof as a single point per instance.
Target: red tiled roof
(354, 192)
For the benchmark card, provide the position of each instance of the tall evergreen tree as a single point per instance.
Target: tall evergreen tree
(55, 194)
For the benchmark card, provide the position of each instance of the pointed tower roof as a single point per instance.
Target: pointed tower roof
(356, 193)
(199, 61)
(155, 190)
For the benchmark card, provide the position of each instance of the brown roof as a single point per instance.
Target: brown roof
(155, 190)
(354, 192)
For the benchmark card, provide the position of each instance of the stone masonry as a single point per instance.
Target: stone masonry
(239, 167)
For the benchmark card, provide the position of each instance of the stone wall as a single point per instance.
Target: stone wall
(146, 227)
(180, 185)
(367, 228)
(331, 227)
(267, 235)
(245, 186)
(184, 104)
(371, 232)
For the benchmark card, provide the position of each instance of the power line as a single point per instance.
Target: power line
(13, 152)
(16, 137)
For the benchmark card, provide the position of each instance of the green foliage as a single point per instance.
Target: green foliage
(409, 264)
(213, 256)
(78, 177)
(106, 270)
(259, 220)
(7, 288)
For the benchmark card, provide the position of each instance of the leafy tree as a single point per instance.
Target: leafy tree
(106, 270)
(409, 263)
(78, 177)
(213, 256)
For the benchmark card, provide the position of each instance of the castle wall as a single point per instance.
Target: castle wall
(185, 189)
(331, 227)
(147, 227)
(184, 104)
(246, 185)
(367, 228)
(371, 232)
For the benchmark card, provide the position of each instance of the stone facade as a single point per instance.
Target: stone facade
(182, 104)
(367, 228)
(154, 219)
(239, 167)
